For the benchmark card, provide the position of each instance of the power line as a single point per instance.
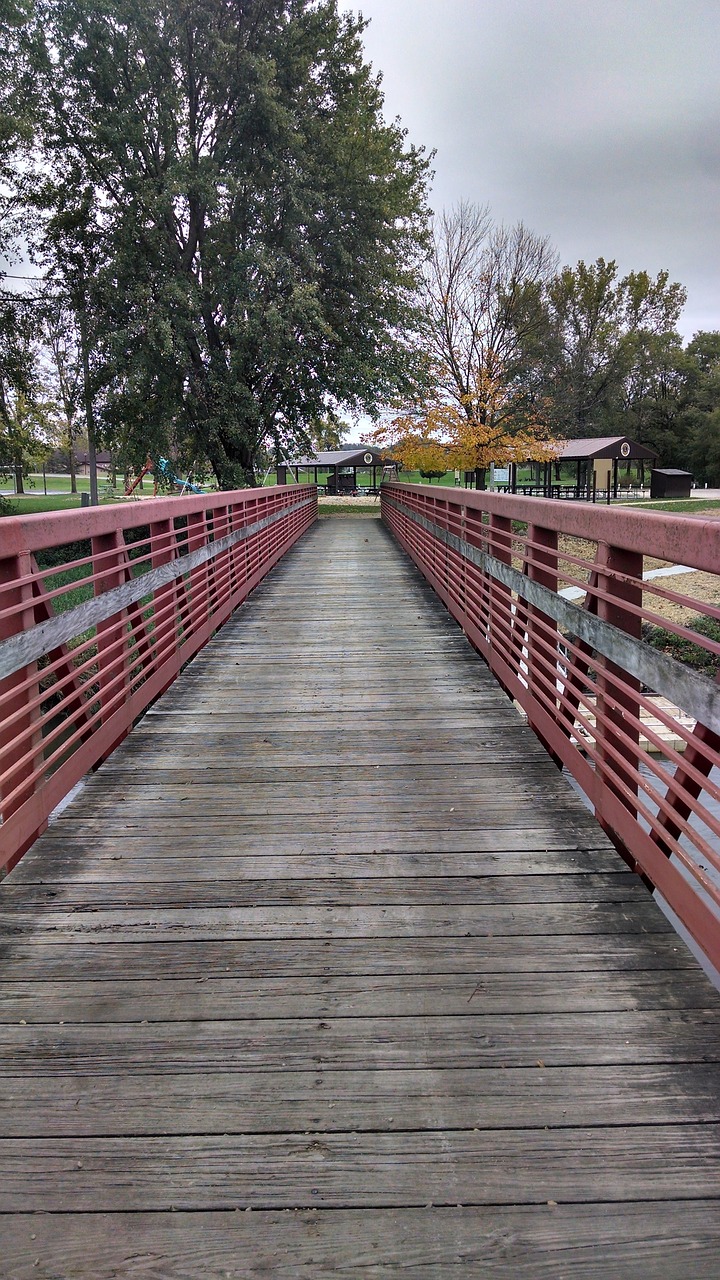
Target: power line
(23, 299)
(7, 295)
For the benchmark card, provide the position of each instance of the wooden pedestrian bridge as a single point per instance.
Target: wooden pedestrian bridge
(325, 969)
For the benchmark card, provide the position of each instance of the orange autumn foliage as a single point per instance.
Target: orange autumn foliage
(465, 436)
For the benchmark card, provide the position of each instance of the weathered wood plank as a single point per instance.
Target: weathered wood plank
(71, 864)
(210, 797)
(392, 921)
(668, 1240)
(489, 839)
(375, 1100)
(386, 995)
(217, 891)
(566, 955)
(450, 745)
(360, 1169)
(432, 826)
(301, 1044)
(166, 774)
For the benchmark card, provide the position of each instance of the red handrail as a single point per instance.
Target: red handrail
(554, 596)
(99, 610)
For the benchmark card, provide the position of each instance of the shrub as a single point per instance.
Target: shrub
(685, 650)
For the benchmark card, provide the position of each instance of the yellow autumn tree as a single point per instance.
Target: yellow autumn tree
(468, 434)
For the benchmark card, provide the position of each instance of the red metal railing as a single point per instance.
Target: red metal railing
(564, 602)
(99, 610)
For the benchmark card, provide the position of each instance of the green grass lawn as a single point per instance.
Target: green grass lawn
(693, 506)
(349, 508)
(35, 486)
(30, 503)
(70, 598)
(59, 484)
(59, 497)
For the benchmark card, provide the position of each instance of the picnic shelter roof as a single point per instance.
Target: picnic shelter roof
(604, 447)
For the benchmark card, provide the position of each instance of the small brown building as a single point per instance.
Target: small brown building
(669, 482)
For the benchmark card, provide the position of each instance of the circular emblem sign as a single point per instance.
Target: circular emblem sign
(367, 457)
(625, 450)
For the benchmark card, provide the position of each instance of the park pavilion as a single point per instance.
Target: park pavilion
(357, 466)
(604, 466)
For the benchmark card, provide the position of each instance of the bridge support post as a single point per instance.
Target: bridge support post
(618, 705)
(20, 712)
(500, 629)
(542, 632)
(109, 558)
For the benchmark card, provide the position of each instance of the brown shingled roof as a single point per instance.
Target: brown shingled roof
(603, 447)
(354, 457)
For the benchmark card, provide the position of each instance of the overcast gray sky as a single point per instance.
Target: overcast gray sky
(596, 122)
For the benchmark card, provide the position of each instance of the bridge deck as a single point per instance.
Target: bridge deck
(330, 935)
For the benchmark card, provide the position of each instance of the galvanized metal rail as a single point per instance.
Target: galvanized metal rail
(327, 971)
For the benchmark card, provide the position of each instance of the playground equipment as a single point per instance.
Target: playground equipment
(163, 468)
(281, 468)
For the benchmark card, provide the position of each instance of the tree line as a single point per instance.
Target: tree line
(522, 352)
(233, 248)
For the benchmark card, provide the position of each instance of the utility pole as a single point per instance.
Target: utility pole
(87, 396)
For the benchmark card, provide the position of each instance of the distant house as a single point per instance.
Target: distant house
(58, 462)
(103, 459)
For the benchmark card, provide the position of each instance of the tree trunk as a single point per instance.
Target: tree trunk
(18, 469)
(481, 477)
(232, 471)
(73, 468)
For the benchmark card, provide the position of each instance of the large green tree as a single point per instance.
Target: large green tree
(256, 223)
(15, 108)
(65, 375)
(28, 414)
(699, 436)
(608, 349)
(18, 387)
(16, 315)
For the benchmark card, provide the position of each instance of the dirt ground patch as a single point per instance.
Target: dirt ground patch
(347, 499)
(701, 587)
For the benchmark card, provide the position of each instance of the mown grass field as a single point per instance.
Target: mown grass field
(59, 497)
(681, 506)
(354, 508)
(30, 504)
